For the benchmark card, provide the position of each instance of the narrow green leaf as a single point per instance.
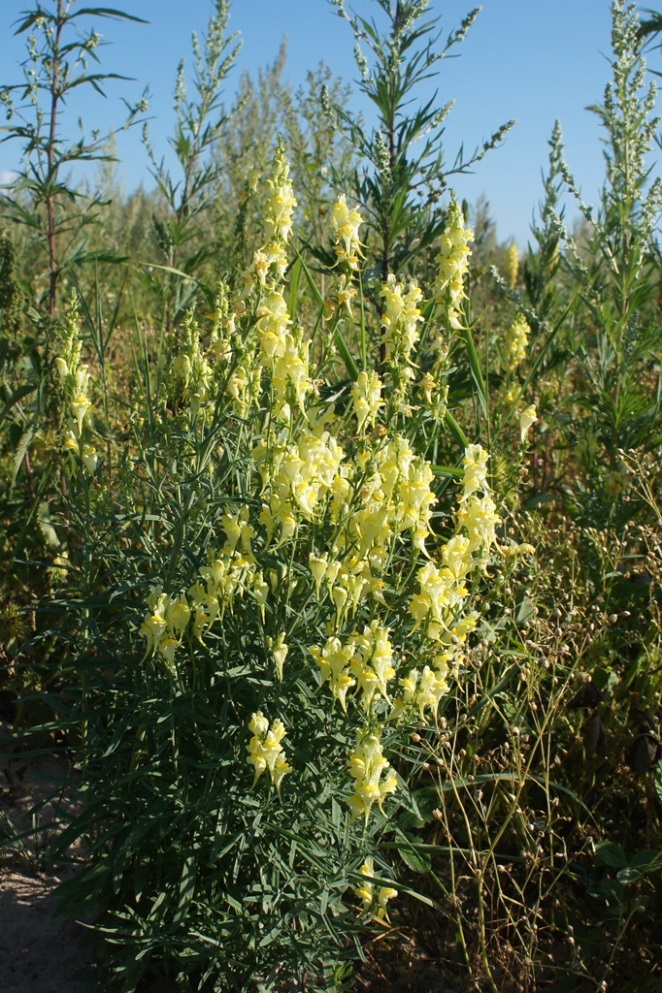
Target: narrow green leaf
(476, 371)
(456, 429)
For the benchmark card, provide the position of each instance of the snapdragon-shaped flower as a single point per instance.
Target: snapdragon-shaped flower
(475, 471)
(333, 660)
(164, 625)
(453, 264)
(405, 482)
(225, 577)
(527, 419)
(273, 327)
(400, 319)
(318, 565)
(279, 651)
(516, 343)
(423, 690)
(373, 902)
(339, 296)
(372, 662)
(90, 458)
(477, 512)
(373, 777)
(280, 201)
(265, 751)
(298, 477)
(345, 224)
(81, 405)
(367, 397)
(291, 378)
(270, 260)
(441, 594)
(239, 532)
(230, 573)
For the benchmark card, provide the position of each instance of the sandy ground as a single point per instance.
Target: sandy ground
(39, 952)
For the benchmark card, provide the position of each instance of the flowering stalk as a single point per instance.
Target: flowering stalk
(452, 265)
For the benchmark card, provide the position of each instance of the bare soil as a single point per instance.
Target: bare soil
(39, 951)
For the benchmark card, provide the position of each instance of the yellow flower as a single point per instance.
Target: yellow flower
(177, 615)
(71, 442)
(62, 368)
(453, 264)
(367, 765)
(153, 628)
(280, 201)
(527, 418)
(478, 515)
(512, 264)
(333, 661)
(372, 662)
(400, 319)
(367, 397)
(345, 224)
(517, 341)
(318, 565)
(90, 458)
(366, 892)
(475, 470)
(265, 750)
(279, 650)
(80, 408)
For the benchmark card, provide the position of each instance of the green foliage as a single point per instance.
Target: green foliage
(200, 124)
(402, 172)
(43, 198)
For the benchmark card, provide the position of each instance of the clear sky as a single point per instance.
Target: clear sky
(532, 60)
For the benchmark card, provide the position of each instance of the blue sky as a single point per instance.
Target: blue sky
(532, 60)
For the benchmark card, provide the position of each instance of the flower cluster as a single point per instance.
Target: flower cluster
(400, 320)
(453, 264)
(374, 501)
(265, 750)
(280, 202)
(512, 264)
(424, 690)
(191, 370)
(164, 625)
(367, 397)
(516, 343)
(282, 353)
(438, 607)
(297, 478)
(477, 514)
(396, 497)
(364, 661)
(373, 777)
(230, 572)
(75, 381)
(345, 224)
(373, 902)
